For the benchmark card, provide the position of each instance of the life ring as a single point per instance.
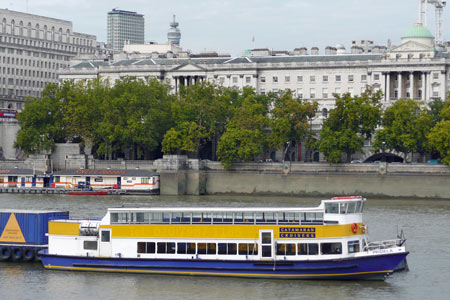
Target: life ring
(354, 228)
(28, 254)
(5, 253)
(17, 254)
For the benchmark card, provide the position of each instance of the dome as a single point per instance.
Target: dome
(418, 31)
(340, 47)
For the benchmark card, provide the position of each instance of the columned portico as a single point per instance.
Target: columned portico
(187, 80)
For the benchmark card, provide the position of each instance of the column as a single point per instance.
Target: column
(424, 86)
(411, 85)
(388, 86)
(443, 81)
(400, 86)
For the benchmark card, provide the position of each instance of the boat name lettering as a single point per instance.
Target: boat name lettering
(297, 235)
(293, 229)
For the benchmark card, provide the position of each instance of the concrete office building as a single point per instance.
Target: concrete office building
(32, 51)
(124, 27)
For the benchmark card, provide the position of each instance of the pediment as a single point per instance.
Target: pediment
(189, 68)
(411, 46)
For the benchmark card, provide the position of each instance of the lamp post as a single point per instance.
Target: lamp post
(383, 144)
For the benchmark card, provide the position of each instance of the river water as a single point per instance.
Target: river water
(426, 224)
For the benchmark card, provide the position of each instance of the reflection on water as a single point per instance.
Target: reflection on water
(426, 224)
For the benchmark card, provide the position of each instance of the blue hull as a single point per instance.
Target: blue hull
(367, 268)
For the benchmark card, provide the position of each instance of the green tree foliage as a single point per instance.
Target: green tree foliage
(290, 121)
(349, 124)
(204, 104)
(405, 126)
(41, 122)
(439, 139)
(244, 137)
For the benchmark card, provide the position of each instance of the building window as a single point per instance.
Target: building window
(350, 78)
(312, 93)
(376, 77)
(338, 91)
(263, 79)
(248, 79)
(235, 80)
(275, 79)
(299, 78)
(287, 79)
(312, 79)
(325, 78)
(363, 78)
(338, 78)
(324, 112)
(324, 93)
(351, 91)
(300, 93)
(262, 91)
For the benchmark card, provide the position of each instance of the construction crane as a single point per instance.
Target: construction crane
(423, 17)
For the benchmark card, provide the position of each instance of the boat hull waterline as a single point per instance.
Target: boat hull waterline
(374, 267)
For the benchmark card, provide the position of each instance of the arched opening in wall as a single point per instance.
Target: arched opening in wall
(29, 30)
(45, 33)
(36, 34)
(68, 36)
(52, 34)
(10, 106)
(60, 32)
(13, 27)
(3, 25)
(21, 28)
(325, 113)
(316, 157)
(384, 157)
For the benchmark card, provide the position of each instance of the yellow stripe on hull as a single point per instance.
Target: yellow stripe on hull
(51, 267)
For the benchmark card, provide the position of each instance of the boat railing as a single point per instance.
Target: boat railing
(378, 245)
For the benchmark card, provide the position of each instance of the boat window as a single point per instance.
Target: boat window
(243, 249)
(228, 217)
(307, 249)
(217, 217)
(140, 218)
(358, 207)
(123, 217)
(285, 249)
(166, 217)
(289, 217)
(331, 248)
(248, 249)
(270, 217)
(259, 217)
(331, 208)
(186, 248)
(266, 238)
(351, 207)
(156, 217)
(166, 247)
(106, 236)
(238, 217)
(176, 217)
(342, 208)
(90, 245)
(227, 248)
(143, 247)
(196, 217)
(253, 249)
(186, 218)
(353, 246)
(211, 248)
(201, 248)
(207, 217)
(114, 218)
(248, 218)
(313, 249)
(362, 206)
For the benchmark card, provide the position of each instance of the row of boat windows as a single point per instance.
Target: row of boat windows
(284, 249)
(354, 207)
(217, 218)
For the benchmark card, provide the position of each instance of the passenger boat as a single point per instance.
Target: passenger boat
(326, 242)
(88, 193)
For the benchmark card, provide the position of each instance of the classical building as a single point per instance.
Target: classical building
(33, 49)
(124, 27)
(414, 69)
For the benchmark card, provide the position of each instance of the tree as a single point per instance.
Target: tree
(41, 123)
(206, 105)
(405, 126)
(439, 139)
(290, 121)
(244, 137)
(187, 137)
(349, 124)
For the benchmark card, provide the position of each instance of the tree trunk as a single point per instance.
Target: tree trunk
(286, 150)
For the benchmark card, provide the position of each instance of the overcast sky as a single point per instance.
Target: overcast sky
(235, 25)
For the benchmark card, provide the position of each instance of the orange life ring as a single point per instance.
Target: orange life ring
(354, 228)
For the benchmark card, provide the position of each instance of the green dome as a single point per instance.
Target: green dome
(418, 31)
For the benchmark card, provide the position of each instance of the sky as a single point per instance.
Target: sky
(232, 26)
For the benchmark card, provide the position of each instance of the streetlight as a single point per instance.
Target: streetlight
(383, 144)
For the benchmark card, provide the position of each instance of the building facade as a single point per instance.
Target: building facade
(33, 49)
(414, 69)
(124, 27)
